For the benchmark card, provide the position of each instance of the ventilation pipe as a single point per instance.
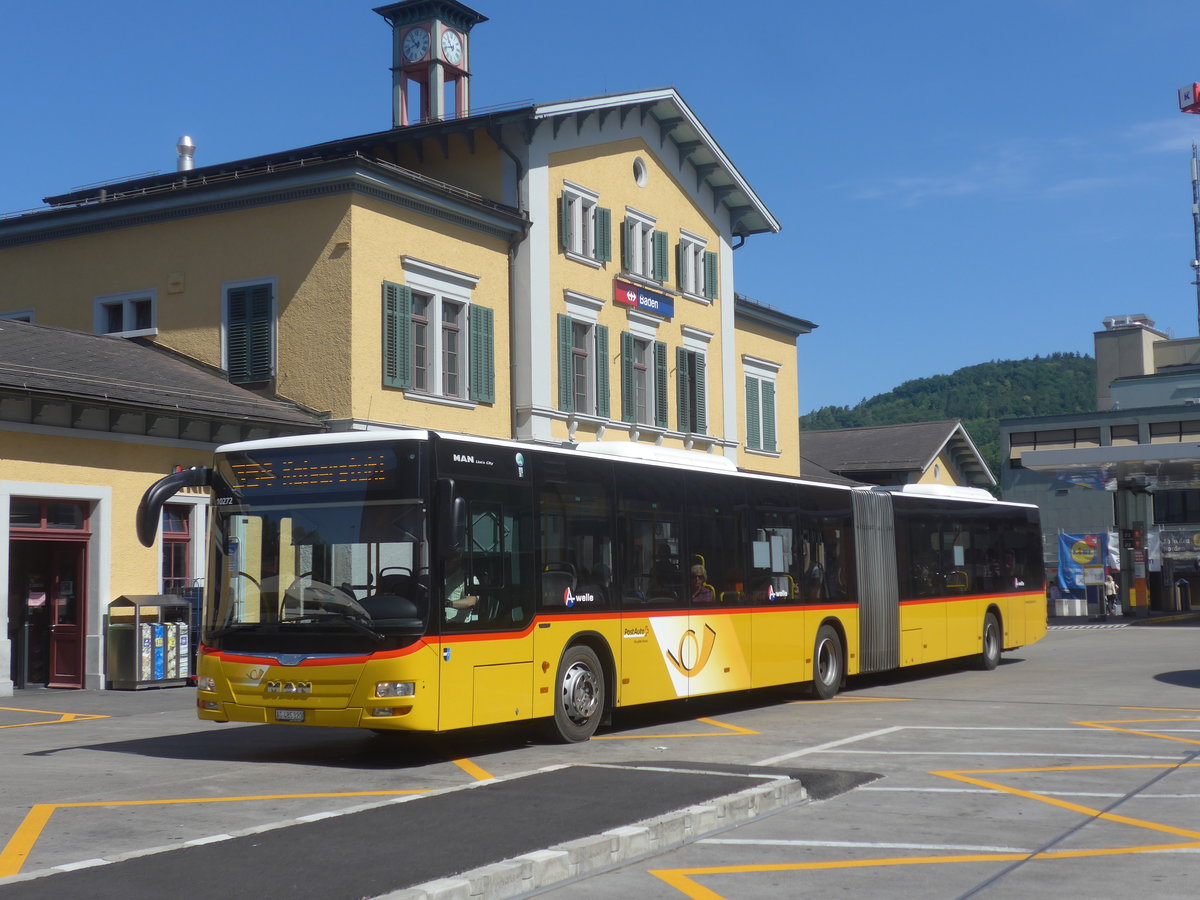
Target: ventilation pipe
(187, 150)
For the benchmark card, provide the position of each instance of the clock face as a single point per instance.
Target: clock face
(452, 47)
(416, 44)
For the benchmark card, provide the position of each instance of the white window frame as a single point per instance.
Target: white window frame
(763, 371)
(641, 243)
(691, 266)
(584, 310)
(581, 206)
(442, 286)
(644, 329)
(126, 300)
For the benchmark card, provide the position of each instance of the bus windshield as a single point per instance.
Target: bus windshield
(303, 570)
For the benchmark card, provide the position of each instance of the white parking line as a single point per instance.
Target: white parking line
(1098, 794)
(867, 845)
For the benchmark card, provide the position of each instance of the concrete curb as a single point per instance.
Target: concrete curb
(563, 863)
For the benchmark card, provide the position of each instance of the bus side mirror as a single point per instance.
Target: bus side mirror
(149, 511)
(452, 520)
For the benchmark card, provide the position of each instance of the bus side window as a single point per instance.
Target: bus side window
(649, 517)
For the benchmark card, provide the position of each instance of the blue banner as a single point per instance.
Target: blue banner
(1075, 551)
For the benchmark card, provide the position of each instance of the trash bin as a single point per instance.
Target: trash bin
(148, 641)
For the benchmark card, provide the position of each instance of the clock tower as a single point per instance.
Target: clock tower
(430, 59)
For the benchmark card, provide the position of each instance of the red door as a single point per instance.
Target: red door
(48, 541)
(67, 615)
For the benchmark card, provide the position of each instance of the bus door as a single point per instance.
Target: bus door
(486, 602)
(778, 553)
(656, 649)
(715, 652)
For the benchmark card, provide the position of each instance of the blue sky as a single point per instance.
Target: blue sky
(957, 181)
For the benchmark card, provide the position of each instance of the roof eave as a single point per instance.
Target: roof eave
(748, 214)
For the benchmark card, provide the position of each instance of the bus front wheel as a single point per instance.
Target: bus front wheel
(827, 663)
(579, 701)
(989, 656)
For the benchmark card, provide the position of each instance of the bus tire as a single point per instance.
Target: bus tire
(579, 695)
(989, 656)
(827, 663)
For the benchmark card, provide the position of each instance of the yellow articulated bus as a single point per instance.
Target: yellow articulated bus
(417, 581)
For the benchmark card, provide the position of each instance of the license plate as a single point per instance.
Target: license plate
(289, 715)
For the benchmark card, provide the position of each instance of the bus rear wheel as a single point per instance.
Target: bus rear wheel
(989, 656)
(827, 663)
(579, 699)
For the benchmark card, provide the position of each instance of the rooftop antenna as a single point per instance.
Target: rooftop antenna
(1196, 229)
(1189, 102)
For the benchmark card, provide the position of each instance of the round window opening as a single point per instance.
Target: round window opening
(639, 172)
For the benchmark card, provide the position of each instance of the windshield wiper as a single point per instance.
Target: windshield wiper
(355, 621)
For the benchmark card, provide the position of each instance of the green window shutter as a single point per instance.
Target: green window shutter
(701, 404)
(237, 337)
(768, 418)
(250, 333)
(602, 400)
(603, 234)
(628, 414)
(680, 265)
(483, 361)
(566, 397)
(626, 244)
(683, 388)
(397, 335)
(660, 384)
(662, 266)
(710, 275)
(564, 223)
(753, 431)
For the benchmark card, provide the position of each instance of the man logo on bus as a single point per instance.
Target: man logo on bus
(690, 663)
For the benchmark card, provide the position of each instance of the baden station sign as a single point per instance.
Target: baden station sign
(637, 297)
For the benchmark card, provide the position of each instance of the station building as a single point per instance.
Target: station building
(1129, 473)
(558, 272)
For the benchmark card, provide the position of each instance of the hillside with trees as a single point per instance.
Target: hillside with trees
(979, 395)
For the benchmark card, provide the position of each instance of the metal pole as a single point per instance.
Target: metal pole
(1196, 230)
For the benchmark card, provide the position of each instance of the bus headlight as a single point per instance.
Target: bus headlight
(396, 689)
(206, 683)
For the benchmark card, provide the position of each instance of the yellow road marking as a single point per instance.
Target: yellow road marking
(1110, 725)
(965, 777)
(727, 732)
(473, 770)
(19, 846)
(62, 717)
(683, 879)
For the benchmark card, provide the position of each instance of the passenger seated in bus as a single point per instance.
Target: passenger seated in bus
(702, 591)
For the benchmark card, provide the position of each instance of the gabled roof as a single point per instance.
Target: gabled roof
(676, 122)
(60, 365)
(896, 448)
(813, 471)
